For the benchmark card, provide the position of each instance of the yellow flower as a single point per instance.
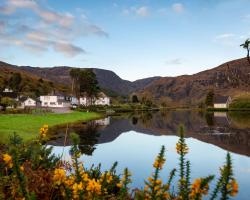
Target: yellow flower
(181, 147)
(43, 131)
(8, 160)
(119, 185)
(233, 187)
(196, 188)
(22, 168)
(94, 187)
(159, 162)
(59, 176)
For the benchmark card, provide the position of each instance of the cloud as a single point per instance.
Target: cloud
(142, 11)
(224, 36)
(176, 61)
(178, 7)
(228, 39)
(68, 49)
(45, 29)
(2, 26)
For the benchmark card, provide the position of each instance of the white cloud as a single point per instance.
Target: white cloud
(229, 39)
(178, 7)
(175, 61)
(68, 49)
(50, 29)
(142, 11)
(224, 36)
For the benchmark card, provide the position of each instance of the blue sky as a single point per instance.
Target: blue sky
(134, 38)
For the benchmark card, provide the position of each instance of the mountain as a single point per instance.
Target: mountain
(28, 83)
(107, 79)
(229, 78)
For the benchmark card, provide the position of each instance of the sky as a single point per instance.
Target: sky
(134, 38)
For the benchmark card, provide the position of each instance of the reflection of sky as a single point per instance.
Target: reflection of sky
(137, 152)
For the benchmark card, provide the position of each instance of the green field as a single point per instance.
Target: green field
(28, 125)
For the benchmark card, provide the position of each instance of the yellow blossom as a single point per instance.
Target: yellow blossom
(119, 185)
(43, 131)
(8, 160)
(94, 187)
(182, 147)
(59, 176)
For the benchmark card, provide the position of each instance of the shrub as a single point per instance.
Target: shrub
(30, 171)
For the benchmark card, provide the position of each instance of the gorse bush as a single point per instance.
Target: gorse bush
(30, 171)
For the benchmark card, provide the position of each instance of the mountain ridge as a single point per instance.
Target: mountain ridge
(228, 78)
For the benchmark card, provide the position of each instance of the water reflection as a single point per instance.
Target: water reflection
(230, 131)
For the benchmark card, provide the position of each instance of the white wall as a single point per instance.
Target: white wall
(53, 102)
(220, 105)
(100, 101)
(29, 102)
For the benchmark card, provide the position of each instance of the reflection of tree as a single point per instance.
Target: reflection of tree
(88, 138)
(134, 120)
(210, 119)
(146, 117)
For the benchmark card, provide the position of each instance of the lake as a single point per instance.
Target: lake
(134, 140)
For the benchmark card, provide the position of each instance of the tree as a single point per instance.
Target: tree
(88, 84)
(135, 99)
(246, 45)
(6, 101)
(15, 81)
(74, 74)
(210, 98)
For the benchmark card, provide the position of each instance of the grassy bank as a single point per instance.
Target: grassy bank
(27, 125)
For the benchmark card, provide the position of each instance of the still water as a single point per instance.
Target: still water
(135, 139)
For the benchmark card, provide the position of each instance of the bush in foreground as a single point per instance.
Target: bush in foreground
(30, 171)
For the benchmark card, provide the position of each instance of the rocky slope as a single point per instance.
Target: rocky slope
(227, 79)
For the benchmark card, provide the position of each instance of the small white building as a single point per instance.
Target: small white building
(27, 102)
(53, 101)
(101, 99)
(222, 101)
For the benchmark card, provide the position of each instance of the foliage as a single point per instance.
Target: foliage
(29, 171)
(135, 99)
(15, 81)
(210, 98)
(246, 45)
(7, 102)
(84, 83)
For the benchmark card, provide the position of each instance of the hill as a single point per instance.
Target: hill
(107, 79)
(28, 83)
(230, 78)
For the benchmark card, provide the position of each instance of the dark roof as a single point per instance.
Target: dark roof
(221, 99)
(8, 94)
(22, 99)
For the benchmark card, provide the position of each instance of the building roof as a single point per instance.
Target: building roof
(221, 99)
(9, 94)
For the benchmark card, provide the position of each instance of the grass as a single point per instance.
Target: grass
(28, 125)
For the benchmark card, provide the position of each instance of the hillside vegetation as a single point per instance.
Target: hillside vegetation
(25, 83)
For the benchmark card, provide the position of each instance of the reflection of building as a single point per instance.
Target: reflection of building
(222, 101)
(103, 122)
(221, 118)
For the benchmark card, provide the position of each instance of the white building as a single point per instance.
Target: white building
(54, 101)
(222, 101)
(27, 102)
(101, 99)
